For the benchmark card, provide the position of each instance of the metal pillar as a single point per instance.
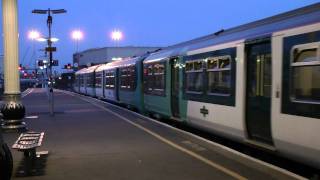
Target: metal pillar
(13, 110)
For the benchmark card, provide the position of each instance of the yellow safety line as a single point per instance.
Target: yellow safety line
(29, 92)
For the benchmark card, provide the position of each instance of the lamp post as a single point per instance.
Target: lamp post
(50, 49)
(13, 110)
(116, 36)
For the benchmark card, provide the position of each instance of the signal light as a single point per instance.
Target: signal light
(68, 66)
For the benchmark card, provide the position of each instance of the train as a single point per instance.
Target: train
(258, 83)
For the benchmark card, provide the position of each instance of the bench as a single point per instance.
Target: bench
(28, 142)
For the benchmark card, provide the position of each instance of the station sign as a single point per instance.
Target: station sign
(51, 49)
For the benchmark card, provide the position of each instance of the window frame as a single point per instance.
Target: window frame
(289, 107)
(107, 85)
(213, 98)
(99, 75)
(201, 70)
(147, 76)
(128, 78)
(301, 47)
(218, 70)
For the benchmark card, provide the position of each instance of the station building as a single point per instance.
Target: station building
(107, 54)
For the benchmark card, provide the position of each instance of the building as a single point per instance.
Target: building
(107, 54)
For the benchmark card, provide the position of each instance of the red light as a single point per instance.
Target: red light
(25, 74)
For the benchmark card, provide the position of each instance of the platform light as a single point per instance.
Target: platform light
(54, 39)
(41, 39)
(45, 39)
(77, 35)
(116, 35)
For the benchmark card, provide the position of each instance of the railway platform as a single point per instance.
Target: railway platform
(91, 139)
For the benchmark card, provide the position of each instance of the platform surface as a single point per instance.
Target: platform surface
(90, 139)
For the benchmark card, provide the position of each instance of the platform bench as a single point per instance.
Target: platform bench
(28, 142)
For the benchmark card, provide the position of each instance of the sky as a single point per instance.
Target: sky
(143, 22)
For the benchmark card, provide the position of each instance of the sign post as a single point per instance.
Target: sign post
(50, 49)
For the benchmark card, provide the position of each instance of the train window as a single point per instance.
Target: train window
(219, 75)
(81, 80)
(159, 81)
(210, 77)
(99, 80)
(305, 73)
(132, 77)
(89, 80)
(123, 78)
(109, 80)
(212, 63)
(128, 78)
(189, 66)
(148, 78)
(194, 77)
(154, 79)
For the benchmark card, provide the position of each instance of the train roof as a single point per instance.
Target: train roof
(90, 69)
(120, 63)
(103, 67)
(265, 27)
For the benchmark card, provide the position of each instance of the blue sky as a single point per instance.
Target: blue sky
(143, 22)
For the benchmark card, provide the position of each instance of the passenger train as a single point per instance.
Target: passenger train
(258, 83)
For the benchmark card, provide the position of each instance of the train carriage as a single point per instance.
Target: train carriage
(257, 83)
(100, 81)
(80, 87)
(90, 76)
(107, 82)
(162, 84)
(130, 83)
(121, 82)
(277, 84)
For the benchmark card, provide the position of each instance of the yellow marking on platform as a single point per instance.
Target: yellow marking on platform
(28, 92)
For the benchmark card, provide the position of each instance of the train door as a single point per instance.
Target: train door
(85, 76)
(103, 83)
(117, 84)
(174, 66)
(258, 93)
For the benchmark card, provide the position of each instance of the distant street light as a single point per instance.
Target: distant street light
(46, 40)
(116, 36)
(77, 35)
(33, 35)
